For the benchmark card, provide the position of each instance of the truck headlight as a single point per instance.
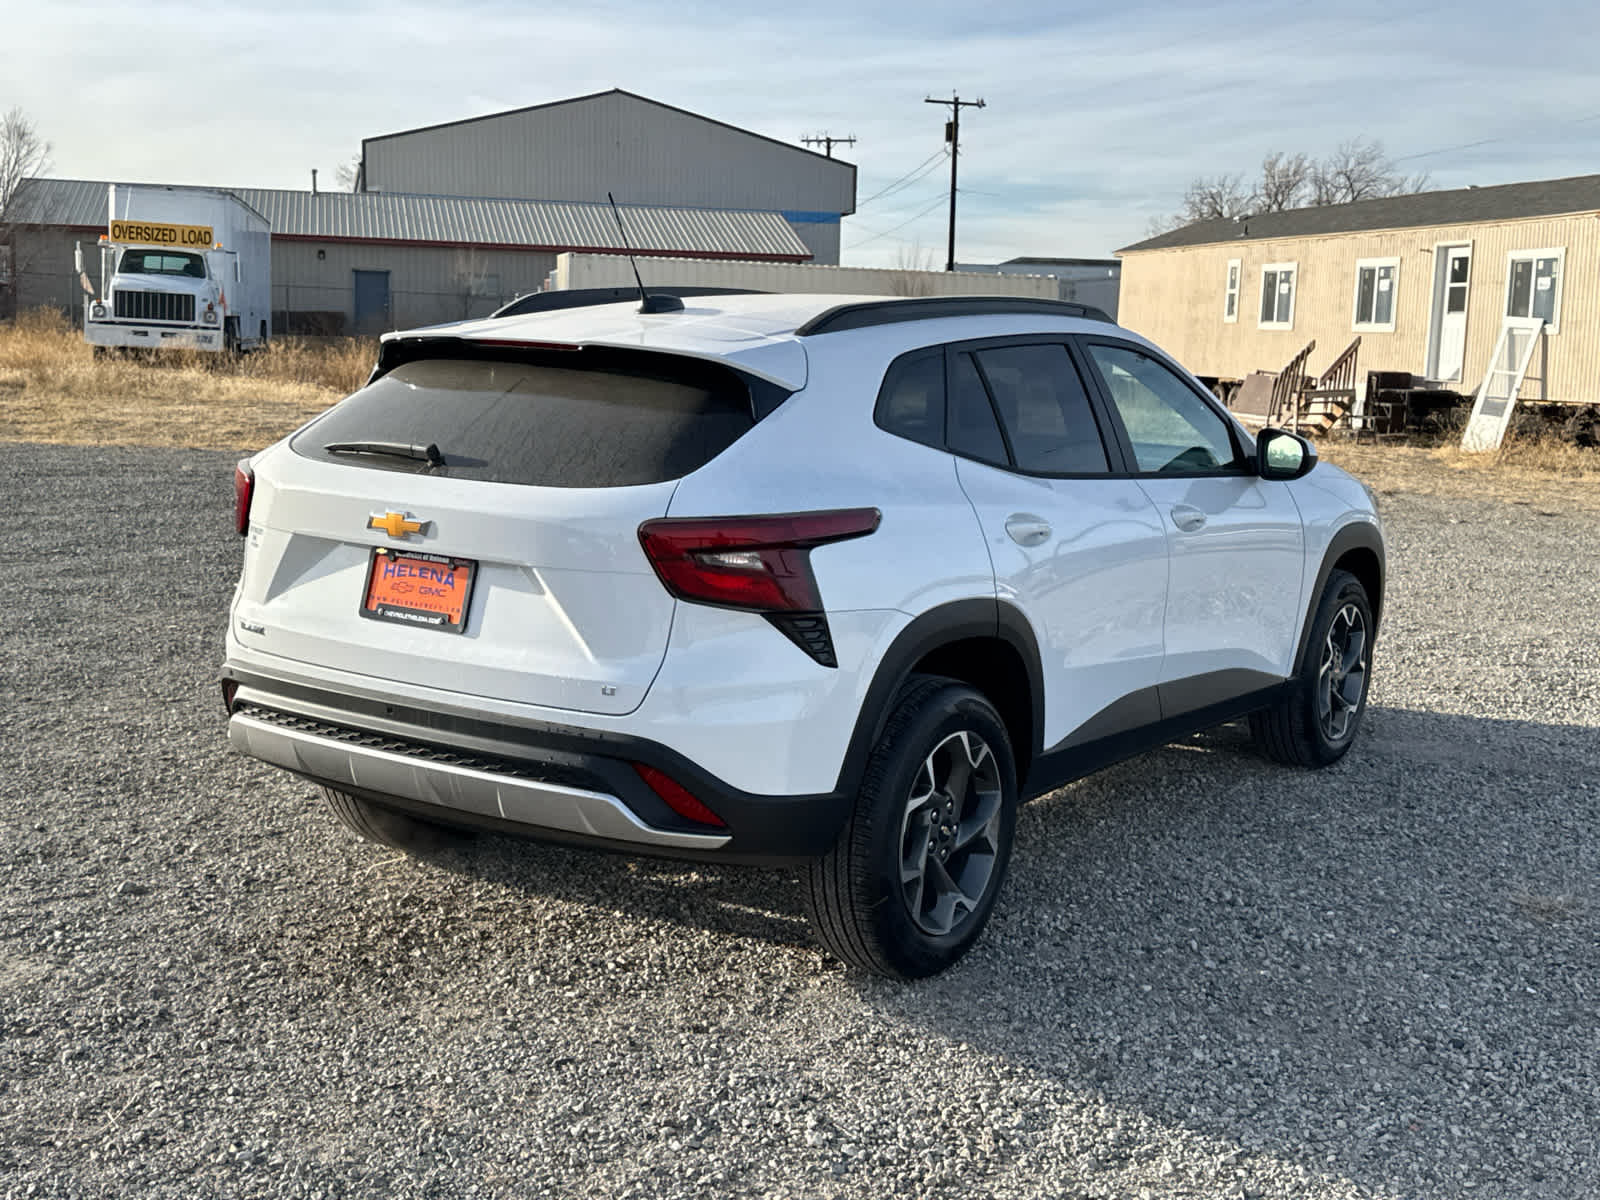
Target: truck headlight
(97, 311)
(209, 316)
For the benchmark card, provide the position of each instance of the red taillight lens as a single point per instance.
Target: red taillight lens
(244, 483)
(760, 564)
(677, 797)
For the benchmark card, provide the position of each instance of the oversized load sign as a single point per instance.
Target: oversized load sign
(155, 233)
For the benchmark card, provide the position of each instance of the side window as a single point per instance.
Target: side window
(974, 431)
(911, 401)
(1173, 430)
(1045, 410)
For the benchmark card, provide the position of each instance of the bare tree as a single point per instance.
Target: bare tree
(1285, 179)
(1208, 199)
(347, 174)
(22, 153)
(1358, 169)
(911, 266)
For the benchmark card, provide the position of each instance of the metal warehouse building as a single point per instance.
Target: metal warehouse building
(643, 151)
(452, 221)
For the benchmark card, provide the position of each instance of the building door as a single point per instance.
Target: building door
(1447, 339)
(372, 301)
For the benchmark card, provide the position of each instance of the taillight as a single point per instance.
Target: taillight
(244, 483)
(757, 564)
(760, 564)
(677, 797)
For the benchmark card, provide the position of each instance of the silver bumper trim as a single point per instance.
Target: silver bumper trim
(525, 801)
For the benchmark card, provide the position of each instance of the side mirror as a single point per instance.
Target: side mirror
(1283, 455)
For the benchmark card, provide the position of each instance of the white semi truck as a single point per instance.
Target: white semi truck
(187, 268)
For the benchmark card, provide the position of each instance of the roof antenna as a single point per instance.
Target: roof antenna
(647, 302)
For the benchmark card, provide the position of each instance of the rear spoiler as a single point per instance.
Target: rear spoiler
(765, 394)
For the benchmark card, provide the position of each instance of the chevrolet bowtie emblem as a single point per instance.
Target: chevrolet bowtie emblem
(396, 525)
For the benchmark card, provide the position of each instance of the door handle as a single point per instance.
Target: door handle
(1025, 529)
(1187, 518)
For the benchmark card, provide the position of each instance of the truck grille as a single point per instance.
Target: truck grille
(155, 306)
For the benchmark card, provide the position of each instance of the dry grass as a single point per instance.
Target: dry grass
(1532, 469)
(53, 389)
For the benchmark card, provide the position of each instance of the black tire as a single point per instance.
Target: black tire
(390, 828)
(861, 907)
(1317, 719)
(230, 337)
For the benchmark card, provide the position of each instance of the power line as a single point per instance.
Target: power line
(1486, 141)
(906, 178)
(915, 179)
(937, 201)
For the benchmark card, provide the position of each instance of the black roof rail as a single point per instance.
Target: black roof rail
(537, 302)
(866, 313)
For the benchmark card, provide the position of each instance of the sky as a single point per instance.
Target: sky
(1097, 115)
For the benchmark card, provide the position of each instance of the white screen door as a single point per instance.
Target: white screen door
(1450, 312)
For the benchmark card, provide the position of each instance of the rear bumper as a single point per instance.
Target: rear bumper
(553, 782)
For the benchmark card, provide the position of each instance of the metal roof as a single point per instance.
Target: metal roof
(458, 221)
(1460, 206)
(616, 91)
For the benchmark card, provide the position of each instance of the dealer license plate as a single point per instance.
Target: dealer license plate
(413, 588)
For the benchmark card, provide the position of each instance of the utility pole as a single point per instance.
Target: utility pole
(823, 139)
(952, 134)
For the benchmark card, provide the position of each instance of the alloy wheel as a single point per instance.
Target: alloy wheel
(1342, 678)
(949, 836)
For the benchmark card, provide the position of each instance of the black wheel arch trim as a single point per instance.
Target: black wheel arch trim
(1357, 535)
(954, 621)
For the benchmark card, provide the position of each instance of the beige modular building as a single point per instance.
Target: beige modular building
(1426, 281)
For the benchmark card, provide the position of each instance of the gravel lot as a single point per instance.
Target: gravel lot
(1209, 977)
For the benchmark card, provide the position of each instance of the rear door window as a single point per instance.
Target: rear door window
(911, 401)
(614, 421)
(1045, 410)
(974, 431)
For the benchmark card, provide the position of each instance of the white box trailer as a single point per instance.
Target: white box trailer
(181, 268)
(575, 270)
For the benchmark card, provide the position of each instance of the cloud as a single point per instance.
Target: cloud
(1097, 116)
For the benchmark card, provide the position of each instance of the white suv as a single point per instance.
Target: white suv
(819, 580)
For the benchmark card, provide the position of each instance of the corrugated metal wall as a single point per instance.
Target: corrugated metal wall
(605, 270)
(44, 274)
(427, 285)
(1175, 297)
(643, 152)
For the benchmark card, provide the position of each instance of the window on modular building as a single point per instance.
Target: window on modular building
(1230, 299)
(1277, 295)
(1376, 280)
(1534, 285)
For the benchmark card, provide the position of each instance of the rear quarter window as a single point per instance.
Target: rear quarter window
(608, 421)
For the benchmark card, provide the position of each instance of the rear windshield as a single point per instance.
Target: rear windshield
(618, 420)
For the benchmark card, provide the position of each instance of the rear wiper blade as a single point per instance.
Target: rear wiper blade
(428, 454)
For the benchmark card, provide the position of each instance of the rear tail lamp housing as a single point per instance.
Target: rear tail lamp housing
(759, 564)
(244, 486)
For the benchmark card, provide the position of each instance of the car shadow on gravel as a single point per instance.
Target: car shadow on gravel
(1384, 970)
(747, 902)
